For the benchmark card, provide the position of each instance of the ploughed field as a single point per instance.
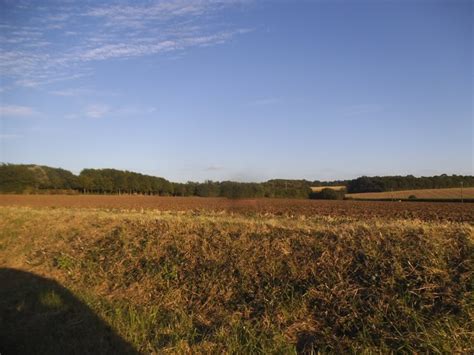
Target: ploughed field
(152, 275)
(289, 207)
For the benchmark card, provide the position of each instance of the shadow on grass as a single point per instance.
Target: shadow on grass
(39, 316)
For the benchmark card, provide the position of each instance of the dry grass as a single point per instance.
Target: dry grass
(320, 188)
(449, 194)
(218, 282)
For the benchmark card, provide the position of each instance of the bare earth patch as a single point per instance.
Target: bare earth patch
(288, 207)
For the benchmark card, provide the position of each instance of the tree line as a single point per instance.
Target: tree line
(22, 178)
(409, 182)
(18, 178)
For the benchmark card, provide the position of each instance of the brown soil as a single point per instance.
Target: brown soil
(358, 209)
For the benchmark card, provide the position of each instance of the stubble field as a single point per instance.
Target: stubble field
(435, 194)
(140, 274)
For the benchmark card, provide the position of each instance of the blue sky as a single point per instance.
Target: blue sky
(240, 89)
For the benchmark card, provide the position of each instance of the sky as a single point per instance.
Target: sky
(241, 90)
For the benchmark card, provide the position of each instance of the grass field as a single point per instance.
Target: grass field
(258, 279)
(435, 194)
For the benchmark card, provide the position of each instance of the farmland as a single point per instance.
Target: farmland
(236, 177)
(320, 188)
(143, 274)
(429, 194)
(281, 207)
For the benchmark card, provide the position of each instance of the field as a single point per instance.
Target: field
(320, 188)
(280, 207)
(142, 274)
(433, 194)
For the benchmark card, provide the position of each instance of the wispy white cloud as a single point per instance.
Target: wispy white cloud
(69, 92)
(16, 111)
(100, 110)
(43, 79)
(97, 111)
(140, 47)
(78, 92)
(60, 42)
(137, 14)
(121, 50)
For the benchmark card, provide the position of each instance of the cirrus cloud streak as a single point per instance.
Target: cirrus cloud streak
(59, 43)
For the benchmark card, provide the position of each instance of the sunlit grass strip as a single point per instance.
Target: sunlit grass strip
(222, 282)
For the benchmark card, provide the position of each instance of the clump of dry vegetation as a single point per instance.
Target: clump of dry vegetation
(213, 282)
